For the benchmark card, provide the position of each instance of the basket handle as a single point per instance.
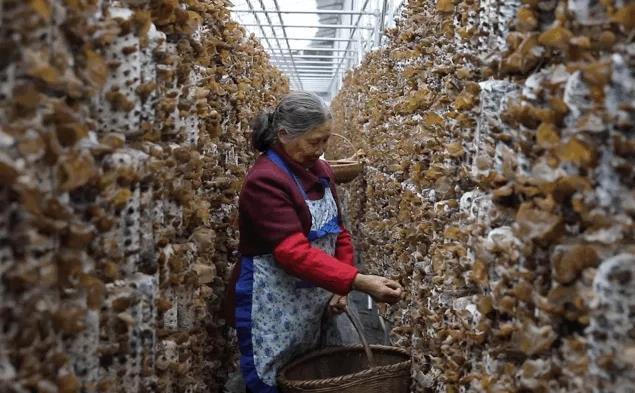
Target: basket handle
(348, 141)
(358, 326)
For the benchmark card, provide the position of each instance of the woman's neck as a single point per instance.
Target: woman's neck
(291, 154)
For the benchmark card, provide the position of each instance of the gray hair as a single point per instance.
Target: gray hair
(297, 113)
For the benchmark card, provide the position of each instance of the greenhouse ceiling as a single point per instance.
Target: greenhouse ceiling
(315, 42)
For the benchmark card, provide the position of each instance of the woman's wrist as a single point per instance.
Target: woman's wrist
(359, 282)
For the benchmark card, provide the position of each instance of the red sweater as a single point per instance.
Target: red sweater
(274, 219)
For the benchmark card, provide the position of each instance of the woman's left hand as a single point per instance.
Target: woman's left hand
(337, 304)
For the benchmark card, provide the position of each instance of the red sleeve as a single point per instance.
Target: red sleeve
(344, 250)
(299, 259)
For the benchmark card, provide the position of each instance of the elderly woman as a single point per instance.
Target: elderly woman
(296, 256)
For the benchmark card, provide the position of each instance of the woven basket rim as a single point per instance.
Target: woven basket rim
(344, 162)
(373, 371)
(346, 170)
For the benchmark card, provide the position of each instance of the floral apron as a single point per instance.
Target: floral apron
(278, 315)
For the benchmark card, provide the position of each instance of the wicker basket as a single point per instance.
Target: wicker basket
(345, 370)
(354, 369)
(346, 169)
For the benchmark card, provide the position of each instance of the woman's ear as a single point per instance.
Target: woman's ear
(283, 135)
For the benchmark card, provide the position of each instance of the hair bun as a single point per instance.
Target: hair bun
(263, 135)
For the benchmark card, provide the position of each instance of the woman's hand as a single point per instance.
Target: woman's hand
(381, 289)
(337, 304)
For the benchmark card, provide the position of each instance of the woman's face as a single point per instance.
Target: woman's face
(308, 147)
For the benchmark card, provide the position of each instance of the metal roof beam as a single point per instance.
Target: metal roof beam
(322, 83)
(315, 80)
(322, 12)
(339, 66)
(306, 62)
(263, 31)
(314, 57)
(284, 32)
(309, 64)
(308, 68)
(322, 49)
(325, 76)
(383, 23)
(262, 5)
(349, 27)
(311, 70)
(310, 39)
(328, 60)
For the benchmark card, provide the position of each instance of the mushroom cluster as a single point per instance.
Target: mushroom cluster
(123, 143)
(500, 190)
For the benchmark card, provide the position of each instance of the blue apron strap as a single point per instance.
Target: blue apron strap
(331, 227)
(275, 157)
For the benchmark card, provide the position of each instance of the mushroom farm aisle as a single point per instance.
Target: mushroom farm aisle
(500, 190)
(124, 140)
